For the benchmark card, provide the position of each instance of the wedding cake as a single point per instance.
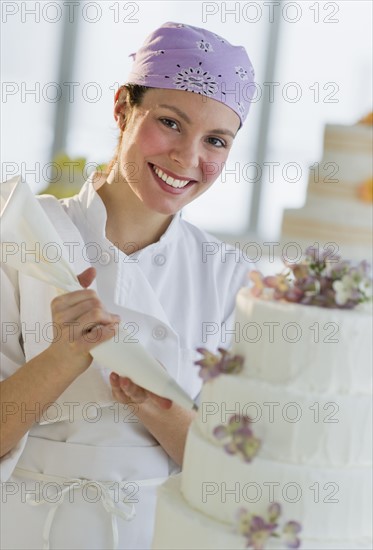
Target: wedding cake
(338, 207)
(279, 455)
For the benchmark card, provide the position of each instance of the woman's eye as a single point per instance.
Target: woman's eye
(218, 142)
(168, 122)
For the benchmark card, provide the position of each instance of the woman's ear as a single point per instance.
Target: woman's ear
(120, 105)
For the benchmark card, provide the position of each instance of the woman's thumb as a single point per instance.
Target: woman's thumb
(87, 276)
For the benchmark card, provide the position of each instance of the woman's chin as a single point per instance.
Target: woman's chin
(163, 207)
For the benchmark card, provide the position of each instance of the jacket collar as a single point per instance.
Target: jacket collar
(95, 214)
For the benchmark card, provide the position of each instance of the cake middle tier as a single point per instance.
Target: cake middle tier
(293, 426)
(308, 348)
(327, 501)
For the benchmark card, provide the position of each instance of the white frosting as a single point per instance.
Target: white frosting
(312, 349)
(293, 426)
(180, 527)
(307, 386)
(218, 484)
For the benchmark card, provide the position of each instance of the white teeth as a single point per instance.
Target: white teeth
(170, 181)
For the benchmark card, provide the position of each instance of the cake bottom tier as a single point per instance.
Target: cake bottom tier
(180, 527)
(335, 501)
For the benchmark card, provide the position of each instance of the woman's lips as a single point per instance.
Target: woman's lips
(169, 188)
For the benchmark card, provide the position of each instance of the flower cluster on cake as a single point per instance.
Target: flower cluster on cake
(320, 279)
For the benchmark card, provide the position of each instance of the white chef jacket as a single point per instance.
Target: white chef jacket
(173, 296)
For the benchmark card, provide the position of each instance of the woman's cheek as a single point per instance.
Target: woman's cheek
(154, 141)
(211, 170)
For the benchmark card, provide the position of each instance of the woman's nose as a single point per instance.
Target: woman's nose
(187, 153)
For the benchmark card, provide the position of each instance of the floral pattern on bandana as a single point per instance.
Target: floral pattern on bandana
(196, 79)
(241, 108)
(242, 73)
(205, 46)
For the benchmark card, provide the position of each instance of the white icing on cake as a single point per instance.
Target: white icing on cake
(180, 527)
(310, 401)
(312, 349)
(288, 422)
(217, 484)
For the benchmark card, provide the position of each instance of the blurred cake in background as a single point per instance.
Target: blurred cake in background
(67, 175)
(338, 206)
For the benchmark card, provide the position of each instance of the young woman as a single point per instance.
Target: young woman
(82, 452)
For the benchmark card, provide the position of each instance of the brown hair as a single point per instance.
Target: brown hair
(132, 94)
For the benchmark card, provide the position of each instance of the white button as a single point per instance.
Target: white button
(159, 332)
(105, 258)
(159, 259)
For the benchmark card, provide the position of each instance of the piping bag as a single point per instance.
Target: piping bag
(24, 223)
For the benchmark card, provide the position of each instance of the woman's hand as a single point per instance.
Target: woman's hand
(80, 323)
(126, 392)
(168, 423)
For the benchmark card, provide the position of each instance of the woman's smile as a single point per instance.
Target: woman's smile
(169, 183)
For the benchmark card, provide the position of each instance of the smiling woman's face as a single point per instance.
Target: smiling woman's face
(178, 134)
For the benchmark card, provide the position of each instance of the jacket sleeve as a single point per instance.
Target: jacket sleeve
(12, 356)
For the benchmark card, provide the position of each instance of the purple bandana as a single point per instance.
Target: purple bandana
(181, 57)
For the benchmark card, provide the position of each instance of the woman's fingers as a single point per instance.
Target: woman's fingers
(81, 322)
(95, 317)
(99, 334)
(65, 301)
(124, 390)
(67, 313)
(86, 277)
(136, 393)
(83, 319)
(162, 402)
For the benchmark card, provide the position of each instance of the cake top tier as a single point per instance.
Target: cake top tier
(354, 138)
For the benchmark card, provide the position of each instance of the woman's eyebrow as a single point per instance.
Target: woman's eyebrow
(187, 119)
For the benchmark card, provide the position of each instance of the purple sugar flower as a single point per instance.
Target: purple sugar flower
(320, 257)
(243, 521)
(257, 530)
(300, 271)
(274, 511)
(212, 365)
(280, 282)
(241, 440)
(248, 448)
(259, 533)
(220, 432)
(294, 295)
(257, 278)
(289, 534)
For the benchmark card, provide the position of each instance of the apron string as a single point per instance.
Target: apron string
(106, 499)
